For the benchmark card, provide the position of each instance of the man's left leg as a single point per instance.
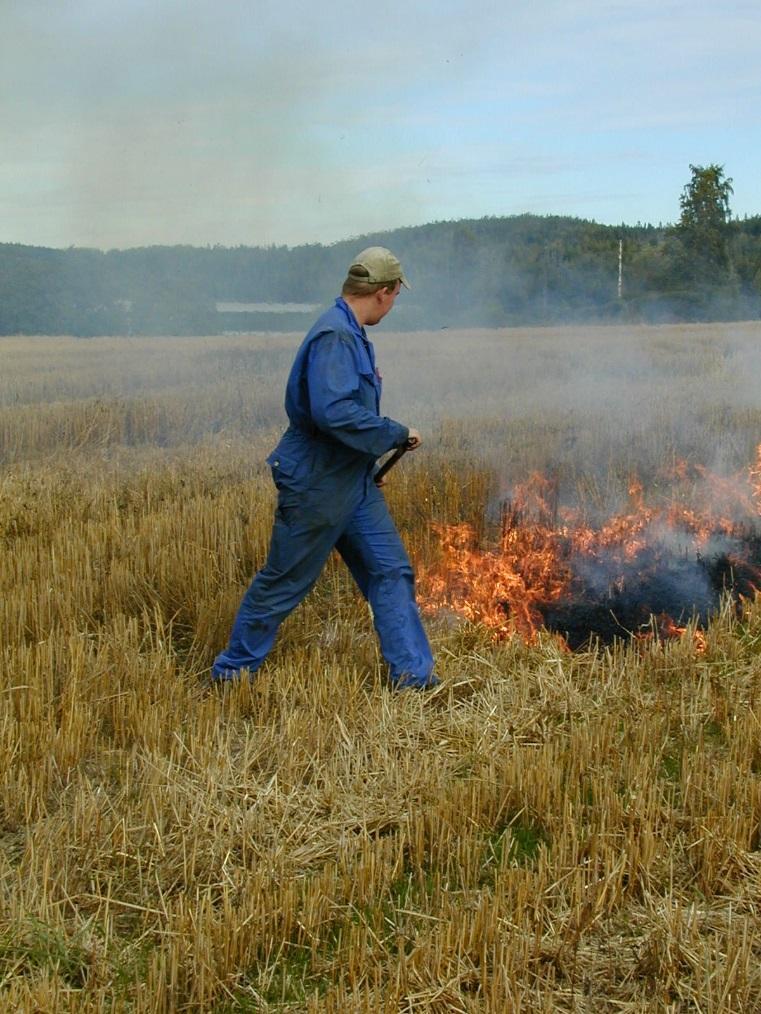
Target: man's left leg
(378, 561)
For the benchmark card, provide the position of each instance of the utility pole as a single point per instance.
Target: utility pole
(620, 268)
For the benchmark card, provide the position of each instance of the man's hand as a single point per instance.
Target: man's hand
(414, 440)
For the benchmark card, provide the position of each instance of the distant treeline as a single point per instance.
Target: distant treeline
(487, 272)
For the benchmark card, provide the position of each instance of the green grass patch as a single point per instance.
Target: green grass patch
(286, 985)
(516, 844)
(671, 766)
(38, 947)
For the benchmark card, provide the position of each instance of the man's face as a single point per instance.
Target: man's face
(385, 300)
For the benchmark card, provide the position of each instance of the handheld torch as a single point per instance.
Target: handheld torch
(389, 463)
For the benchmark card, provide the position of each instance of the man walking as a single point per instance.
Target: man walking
(323, 469)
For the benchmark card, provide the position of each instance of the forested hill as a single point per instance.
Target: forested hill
(487, 272)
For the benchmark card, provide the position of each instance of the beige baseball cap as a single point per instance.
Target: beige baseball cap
(376, 265)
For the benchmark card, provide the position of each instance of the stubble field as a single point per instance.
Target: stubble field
(549, 830)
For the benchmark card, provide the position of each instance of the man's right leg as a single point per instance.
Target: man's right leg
(298, 552)
(378, 561)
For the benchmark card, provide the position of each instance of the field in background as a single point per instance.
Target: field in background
(548, 831)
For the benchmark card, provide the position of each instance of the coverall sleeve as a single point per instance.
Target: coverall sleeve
(334, 396)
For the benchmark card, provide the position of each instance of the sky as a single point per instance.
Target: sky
(136, 122)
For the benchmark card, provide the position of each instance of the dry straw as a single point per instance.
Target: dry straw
(548, 831)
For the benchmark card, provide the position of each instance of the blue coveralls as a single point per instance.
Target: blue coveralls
(323, 470)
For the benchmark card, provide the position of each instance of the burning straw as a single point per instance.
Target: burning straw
(648, 570)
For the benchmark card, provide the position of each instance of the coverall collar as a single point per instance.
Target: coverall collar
(354, 323)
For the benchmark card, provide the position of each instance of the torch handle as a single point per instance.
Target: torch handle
(389, 463)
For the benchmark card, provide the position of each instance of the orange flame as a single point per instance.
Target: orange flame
(500, 588)
(506, 585)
